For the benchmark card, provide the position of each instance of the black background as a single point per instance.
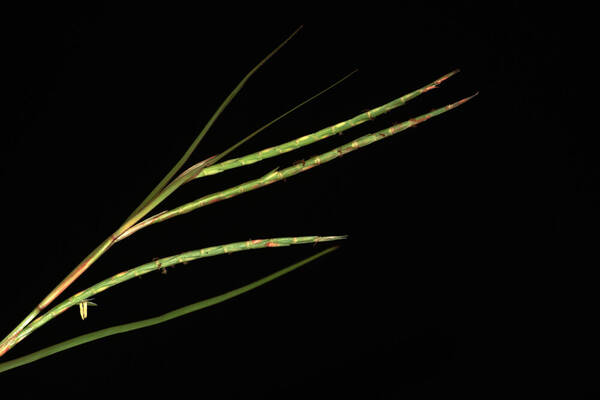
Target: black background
(464, 232)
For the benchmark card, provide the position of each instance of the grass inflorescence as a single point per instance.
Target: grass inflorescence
(139, 218)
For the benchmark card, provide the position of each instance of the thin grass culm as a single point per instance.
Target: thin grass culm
(174, 179)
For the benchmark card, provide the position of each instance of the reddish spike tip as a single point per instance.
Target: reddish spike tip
(463, 101)
(454, 71)
(469, 98)
(448, 75)
(459, 102)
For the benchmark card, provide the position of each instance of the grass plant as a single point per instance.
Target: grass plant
(140, 218)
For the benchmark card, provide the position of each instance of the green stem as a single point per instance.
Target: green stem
(115, 330)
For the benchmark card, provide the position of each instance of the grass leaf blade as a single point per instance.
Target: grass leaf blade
(208, 125)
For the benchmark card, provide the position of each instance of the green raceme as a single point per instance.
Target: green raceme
(276, 176)
(180, 312)
(321, 134)
(166, 262)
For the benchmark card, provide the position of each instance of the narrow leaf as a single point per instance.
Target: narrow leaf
(208, 125)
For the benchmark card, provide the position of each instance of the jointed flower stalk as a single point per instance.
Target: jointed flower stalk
(166, 262)
(276, 175)
(211, 166)
(115, 330)
(321, 134)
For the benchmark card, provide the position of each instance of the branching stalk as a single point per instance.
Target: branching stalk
(142, 210)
